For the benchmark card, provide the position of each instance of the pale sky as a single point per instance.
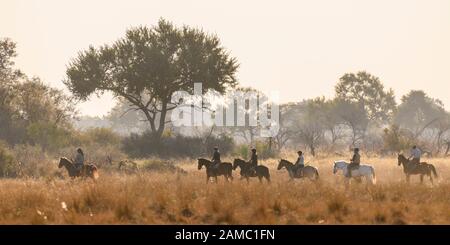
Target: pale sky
(299, 48)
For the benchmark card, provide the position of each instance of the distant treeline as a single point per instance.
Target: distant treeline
(145, 67)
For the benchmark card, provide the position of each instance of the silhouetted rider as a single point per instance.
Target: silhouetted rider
(354, 162)
(253, 161)
(216, 157)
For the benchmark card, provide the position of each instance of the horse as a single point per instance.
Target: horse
(309, 172)
(246, 171)
(88, 170)
(366, 171)
(224, 168)
(410, 168)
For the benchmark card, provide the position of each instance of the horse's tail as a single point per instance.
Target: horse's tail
(433, 169)
(95, 174)
(374, 177)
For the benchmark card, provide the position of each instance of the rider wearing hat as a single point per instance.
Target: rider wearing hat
(354, 162)
(79, 159)
(300, 163)
(216, 157)
(253, 160)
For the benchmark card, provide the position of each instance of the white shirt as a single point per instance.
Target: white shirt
(416, 153)
(301, 161)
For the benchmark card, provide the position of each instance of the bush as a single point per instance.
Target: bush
(174, 146)
(396, 139)
(49, 136)
(8, 165)
(98, 136)
(34, 162)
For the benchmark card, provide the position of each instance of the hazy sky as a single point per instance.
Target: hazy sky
(299, 48)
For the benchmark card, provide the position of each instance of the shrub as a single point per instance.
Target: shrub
(8, 165)
(49, 136)
(174, 146)
(98, 136)
(34, 162)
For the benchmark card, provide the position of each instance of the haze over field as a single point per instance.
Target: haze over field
(299, 48)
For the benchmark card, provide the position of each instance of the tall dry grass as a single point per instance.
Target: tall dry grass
(165, 198)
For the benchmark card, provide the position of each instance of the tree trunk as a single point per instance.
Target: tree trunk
(312, 149)
(162, 121)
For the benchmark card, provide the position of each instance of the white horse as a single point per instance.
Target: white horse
(366, 171)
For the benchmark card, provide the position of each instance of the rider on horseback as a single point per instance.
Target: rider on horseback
(299, 164)
(79, 159)
(354, 162)
(216, 157)
(415, 155)
(253, 161)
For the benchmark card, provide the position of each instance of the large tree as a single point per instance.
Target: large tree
(420, 113)
(354, 116)
(29, 109)
(368, 92)
(307, 122)
(149, 64)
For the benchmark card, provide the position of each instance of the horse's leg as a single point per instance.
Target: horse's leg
(407, 178)
(421, 178)
(347, 183)
(207, 179)
(260, 179)
(268, 178)
(215, 179)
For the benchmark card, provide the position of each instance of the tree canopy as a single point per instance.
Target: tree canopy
(149, 64)
(368, 92)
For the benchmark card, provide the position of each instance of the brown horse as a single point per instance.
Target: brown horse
(224, 168)
(410, 168)
(88, 170)
(246, 172)
(309, 172)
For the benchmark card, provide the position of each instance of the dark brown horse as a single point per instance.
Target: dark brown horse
(308, 171)
(88, 170)
(246, 171)
(224, 168)
(410, 168)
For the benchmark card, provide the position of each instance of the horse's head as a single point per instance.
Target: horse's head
(62, 162)
(200, 163)
(281, 164)
(338, 165)
(235, 164)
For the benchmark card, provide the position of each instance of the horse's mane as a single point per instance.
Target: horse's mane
(203, 160)
(286, 161)
(66, 159)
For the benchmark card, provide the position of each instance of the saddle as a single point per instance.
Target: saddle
(298, 171)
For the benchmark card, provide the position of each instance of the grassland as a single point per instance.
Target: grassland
(152, 197)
